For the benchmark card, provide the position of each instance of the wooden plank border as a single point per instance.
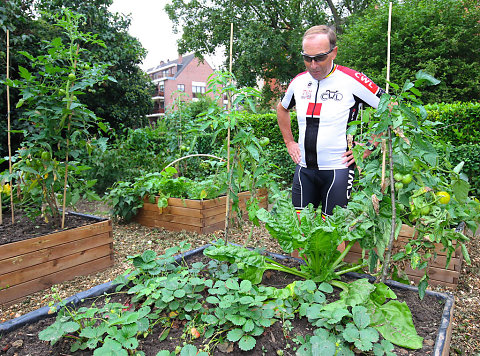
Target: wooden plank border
(36, 264)
(200, 216)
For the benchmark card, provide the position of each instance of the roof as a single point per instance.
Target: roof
(185, 61)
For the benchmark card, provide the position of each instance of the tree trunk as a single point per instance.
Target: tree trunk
(336, 17)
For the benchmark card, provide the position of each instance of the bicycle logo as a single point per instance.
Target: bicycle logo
(335, 95)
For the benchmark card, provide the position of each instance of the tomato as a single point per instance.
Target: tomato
(46, 155)
(398, 176)
(425, 209)
(264, 141)
(407, 178)
(71, 77)
(398, 185)
(183, 148)
(443, 197)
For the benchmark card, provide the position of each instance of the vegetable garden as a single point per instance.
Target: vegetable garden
(421, 177)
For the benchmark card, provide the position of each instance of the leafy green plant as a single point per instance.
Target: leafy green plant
(58, 123)
(416, 177)
(127, 197)
(316, 238)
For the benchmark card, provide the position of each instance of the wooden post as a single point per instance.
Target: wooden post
(9, 129)
(229, 108)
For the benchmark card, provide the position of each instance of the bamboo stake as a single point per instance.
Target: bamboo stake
(229, 107)
(66, 154)
(9, 129)
(388, 254)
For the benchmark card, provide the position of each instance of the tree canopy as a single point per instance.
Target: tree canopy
(267, 33)
(441, 37)
(124, 102)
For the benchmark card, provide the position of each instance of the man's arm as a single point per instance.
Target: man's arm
(283, 118)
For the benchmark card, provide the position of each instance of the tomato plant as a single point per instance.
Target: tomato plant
(57, 122)
(418, 169)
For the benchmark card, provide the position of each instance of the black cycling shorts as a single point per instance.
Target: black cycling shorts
(326, 187)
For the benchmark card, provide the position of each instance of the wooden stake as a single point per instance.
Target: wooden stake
(388, 251)
(9, 128)
(389, 31)
(229, 108)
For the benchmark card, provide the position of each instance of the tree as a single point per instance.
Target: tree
(128, 100)
(124, 102)
(438, 36)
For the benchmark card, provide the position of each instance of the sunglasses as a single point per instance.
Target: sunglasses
(317, 58)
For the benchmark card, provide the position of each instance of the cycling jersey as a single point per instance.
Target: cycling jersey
(324, 109)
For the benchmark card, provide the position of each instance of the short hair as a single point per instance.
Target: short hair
(324, 30)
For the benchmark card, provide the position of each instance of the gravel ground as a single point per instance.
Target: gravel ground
(130, 239)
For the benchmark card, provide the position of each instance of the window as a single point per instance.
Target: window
(181, 87)
(197, 90)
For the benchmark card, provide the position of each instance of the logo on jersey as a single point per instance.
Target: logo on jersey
(306, 94)
(361, 78)
(314, 109)
(331, 95)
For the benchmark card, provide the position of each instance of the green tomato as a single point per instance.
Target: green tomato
(398, 176)
(264, 141)
(407, 178)
(183, 148)
(425, 210)
(398, 185)
(71, 77)
(46, 156)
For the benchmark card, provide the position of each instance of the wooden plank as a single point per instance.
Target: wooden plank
(53, 266)
(213, 228)
(44, 282)
(52, 253)
(186, 203)
(57, 238)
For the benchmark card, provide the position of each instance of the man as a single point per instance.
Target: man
(327, 97)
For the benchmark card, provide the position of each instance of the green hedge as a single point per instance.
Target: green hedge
(461, 127)
(461, 122)
(266, 125)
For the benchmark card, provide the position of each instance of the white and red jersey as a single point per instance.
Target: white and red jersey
(324, 109)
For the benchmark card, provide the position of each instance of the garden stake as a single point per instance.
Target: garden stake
(229, 107)
(388, 253)
(8, 132)
(66, 154)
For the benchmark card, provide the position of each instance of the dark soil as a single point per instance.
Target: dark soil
(25, 228)
(426, 317)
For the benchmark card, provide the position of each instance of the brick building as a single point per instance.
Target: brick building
(185, 74)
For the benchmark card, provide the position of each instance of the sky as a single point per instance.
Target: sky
(152, 27)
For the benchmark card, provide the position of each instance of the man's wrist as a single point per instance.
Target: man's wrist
(370, 146)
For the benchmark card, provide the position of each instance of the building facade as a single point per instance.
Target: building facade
(185, 75)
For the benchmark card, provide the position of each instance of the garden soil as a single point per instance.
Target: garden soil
(132, 238)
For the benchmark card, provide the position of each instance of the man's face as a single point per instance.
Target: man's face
(313, 45)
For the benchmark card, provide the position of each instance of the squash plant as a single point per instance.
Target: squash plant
(57, 122)
(411, 183)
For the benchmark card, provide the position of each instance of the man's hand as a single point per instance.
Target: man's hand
(349, 159)
(294, 151)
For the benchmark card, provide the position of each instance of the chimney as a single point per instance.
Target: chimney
(180, 58)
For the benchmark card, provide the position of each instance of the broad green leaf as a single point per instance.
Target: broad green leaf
(247, 343)
(235, 334)
(394, 321)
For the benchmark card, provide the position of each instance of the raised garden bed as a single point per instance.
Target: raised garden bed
(200, 216)
(37, 263)
(438, 273)
(26, 327)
